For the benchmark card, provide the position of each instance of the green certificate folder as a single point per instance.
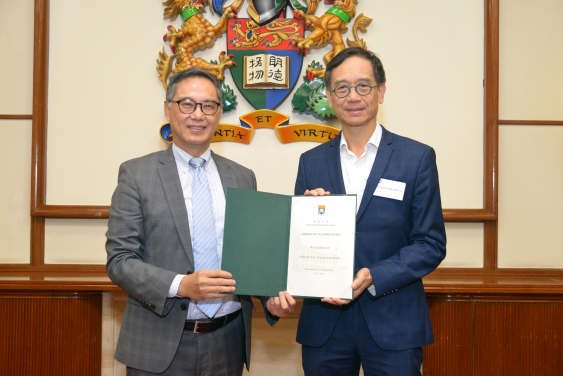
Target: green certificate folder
(259, 234)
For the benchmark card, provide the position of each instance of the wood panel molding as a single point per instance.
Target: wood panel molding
(503, 272)
(468, 215)
(452, 283)
(71, 211)
(16, 117)
(37, 244)
(40, 98)
(530, 122)
(102, 212)
(490, 248)
(53, 268)
(491, 132)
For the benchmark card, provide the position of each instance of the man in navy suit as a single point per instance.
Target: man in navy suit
(400, 234)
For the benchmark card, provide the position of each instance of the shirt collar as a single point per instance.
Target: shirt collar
(375, 138)
(183, 158)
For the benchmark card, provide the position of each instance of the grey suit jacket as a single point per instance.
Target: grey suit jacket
(148, 244)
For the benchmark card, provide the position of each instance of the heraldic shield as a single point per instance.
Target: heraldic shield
(267, 62)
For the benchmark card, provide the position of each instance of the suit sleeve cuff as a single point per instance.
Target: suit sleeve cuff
(173, 292)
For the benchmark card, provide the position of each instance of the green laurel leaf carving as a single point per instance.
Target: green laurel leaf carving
(229, 97)
(315, 95)
(315, 65)
(322, 109)
(301, 96)
(310, 96)
(299, 100)
(316, 83)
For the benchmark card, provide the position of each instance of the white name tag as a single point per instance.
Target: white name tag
(390, 189)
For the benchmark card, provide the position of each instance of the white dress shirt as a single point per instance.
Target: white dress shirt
(355, 171)
(186, 173)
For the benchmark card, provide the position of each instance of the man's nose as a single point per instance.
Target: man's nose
(198, 111)
(353, 95)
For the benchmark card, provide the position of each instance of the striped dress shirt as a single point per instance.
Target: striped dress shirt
(186, 173)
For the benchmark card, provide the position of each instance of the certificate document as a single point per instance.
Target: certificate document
(300, 244)
(321, 246)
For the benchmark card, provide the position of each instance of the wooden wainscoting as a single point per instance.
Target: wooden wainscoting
(50, 324)
(505, 334)
(452, 353)
(50, 333)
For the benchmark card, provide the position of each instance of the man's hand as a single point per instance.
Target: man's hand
(206, 284)
(281, 306)
(335, 301)
(362, 281)
(316, 192)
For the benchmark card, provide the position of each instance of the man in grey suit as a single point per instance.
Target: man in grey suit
(164, 246)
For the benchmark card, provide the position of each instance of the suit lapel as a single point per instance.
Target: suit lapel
(168, 172)
(381, 160)
(335, 168)
(225, 173)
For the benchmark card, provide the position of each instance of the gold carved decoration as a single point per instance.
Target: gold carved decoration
(195, 34)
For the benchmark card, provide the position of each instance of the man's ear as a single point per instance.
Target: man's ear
(167, 110)
(329, 97)
(381, 93)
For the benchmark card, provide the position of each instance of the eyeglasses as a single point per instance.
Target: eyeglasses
(187, 106)
(363, 88)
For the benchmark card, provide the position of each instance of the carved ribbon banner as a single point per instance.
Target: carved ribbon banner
(244, 133)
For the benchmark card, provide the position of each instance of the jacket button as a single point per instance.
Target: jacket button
(183, 307)
(153, 306)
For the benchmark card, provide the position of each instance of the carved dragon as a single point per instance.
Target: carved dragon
(329, 28)
(195, 34)
(277, 31)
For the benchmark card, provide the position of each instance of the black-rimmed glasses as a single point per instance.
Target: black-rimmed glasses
(363, 88)
(187, 106)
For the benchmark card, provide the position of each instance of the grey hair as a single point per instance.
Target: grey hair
(191, 72)
(378, 71)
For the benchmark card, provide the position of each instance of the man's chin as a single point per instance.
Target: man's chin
(355, 121)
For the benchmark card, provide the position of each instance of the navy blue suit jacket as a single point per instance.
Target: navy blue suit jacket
(399, 241)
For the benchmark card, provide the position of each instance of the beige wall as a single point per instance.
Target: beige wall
(16, 87)
(530, 157)
(530, 197)
(105, 106)
(531, 52)
(16, 64)
(15, 190)
(117, 81)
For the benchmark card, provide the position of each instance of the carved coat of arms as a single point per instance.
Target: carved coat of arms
(267, 64)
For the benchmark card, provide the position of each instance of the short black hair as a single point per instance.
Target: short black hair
(378, 71)
(192, 72)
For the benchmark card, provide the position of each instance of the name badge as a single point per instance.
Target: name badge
(390, 189)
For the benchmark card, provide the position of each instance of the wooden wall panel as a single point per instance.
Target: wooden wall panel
(518, 338)
(452, 323)
(50, 333)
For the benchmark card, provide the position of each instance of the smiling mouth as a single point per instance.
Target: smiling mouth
(196, 128)
(354, 109)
